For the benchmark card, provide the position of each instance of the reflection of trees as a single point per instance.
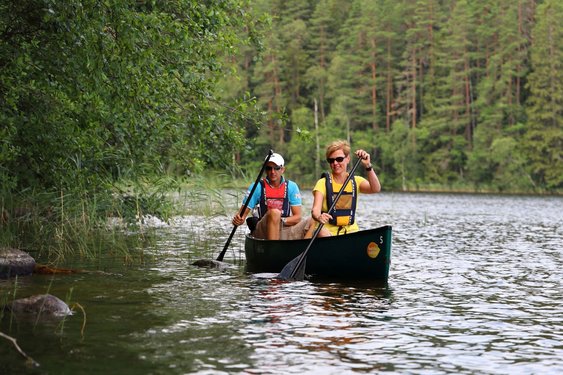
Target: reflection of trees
(307, 318)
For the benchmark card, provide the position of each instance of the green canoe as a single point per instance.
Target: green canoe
(361, 256)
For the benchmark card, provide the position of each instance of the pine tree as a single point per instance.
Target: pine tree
(324, 31)
(267, 86)
(427, 20)
(544, 136)
(407, 81)
(390, 34)
(344, 73)
(503, 38)
(292, 28)
(445, 129)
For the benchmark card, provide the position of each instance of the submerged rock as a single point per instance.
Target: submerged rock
(14, 262)
(45, 305)
(210, 263)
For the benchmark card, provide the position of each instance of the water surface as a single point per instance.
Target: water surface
(475, 287)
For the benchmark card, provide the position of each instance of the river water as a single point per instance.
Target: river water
(475, 287)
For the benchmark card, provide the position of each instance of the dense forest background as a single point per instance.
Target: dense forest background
(446, 94)
(449, 94)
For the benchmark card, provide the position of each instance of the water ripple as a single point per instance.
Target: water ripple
(475, 288)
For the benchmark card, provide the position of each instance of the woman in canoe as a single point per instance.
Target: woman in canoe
(342, 219)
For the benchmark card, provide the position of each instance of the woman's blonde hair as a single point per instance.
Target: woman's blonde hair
(338, 145)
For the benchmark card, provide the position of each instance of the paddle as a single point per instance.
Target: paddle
(295, 270)
(243, 208)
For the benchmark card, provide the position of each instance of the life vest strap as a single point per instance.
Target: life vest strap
(268, 192)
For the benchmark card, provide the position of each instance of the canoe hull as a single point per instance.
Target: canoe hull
(363, 255)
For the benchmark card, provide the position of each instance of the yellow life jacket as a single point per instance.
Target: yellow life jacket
(344, 212)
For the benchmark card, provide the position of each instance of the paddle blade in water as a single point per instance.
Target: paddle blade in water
(299, 274)
(290, 268)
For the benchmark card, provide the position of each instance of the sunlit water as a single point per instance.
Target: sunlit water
(475, 288)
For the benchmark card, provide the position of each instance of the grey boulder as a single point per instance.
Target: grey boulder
(14, 262)
(45, 305)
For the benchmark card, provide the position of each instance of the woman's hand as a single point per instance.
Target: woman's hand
(366, 159)
(323, 218)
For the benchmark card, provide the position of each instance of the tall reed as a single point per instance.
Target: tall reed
(53, 226)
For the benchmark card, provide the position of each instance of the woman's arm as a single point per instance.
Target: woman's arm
(316, 210)
(371, 185)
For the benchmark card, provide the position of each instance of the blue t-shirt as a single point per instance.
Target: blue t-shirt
(293, 194)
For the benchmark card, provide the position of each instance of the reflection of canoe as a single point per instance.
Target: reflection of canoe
(363, 255)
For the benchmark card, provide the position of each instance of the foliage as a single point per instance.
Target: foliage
(91, 91)
(467, 78)
(449, 93)
(544, 140)
(95, 93)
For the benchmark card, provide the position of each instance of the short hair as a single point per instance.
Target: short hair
(338, 145)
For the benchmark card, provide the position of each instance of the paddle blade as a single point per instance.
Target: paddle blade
(294, 270)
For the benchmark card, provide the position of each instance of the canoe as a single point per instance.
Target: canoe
(362, 256)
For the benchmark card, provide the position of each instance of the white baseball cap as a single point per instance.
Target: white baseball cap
(277, 159)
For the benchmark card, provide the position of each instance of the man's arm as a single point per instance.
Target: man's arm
(295, 217)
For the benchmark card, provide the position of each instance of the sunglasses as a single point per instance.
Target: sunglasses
(276, 168)
(339, 159)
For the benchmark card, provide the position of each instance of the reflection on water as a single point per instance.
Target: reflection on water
(475, 287)
(308, 326)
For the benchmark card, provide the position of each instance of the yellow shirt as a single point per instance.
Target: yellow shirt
(320, 186)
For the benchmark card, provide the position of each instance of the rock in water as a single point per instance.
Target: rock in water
(45, 305)
(209, 263)
(14, 262)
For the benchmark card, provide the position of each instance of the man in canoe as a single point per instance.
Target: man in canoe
(278, 203)
(342, 219)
